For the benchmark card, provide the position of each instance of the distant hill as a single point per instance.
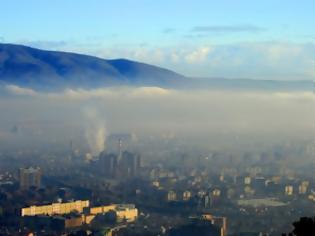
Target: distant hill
(51, 70)
(35, 68)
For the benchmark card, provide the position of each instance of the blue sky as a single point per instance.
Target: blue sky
(269, 39)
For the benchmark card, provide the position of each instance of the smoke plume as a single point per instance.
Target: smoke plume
(95, 132)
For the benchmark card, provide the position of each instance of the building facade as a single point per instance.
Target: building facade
(56, 208)
(30, 177)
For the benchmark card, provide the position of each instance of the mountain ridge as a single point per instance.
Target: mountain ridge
(52, 70)
(31, 67)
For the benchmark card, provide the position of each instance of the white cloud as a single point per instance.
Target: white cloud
(157, 92)
(13, 89)
(114, 92)
(175, 58)
(282, 51)
(149, 91)
(197, 114)
(85, 94)
(257, 60)
(300, 97)
(198, 56)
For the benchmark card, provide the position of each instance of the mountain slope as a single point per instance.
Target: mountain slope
(50, 70)
(36, 68)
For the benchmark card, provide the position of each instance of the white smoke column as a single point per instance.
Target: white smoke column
(95, 132)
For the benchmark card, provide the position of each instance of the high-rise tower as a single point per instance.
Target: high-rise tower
(119, 149)
(30, 177)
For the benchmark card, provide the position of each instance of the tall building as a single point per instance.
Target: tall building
(129, 164)
(107, 165)
(122, 165)
(119, 149)
(30, 177)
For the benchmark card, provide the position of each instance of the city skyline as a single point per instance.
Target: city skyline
(150, 118)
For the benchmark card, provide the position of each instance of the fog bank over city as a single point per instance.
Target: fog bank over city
(216, 116)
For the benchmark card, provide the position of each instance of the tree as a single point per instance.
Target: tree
(304, 227)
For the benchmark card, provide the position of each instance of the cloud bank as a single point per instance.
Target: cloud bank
(203, 57)
(256, 60)
(200, 114)
(16, 90)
